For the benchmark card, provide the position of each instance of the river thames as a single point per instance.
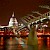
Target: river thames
(21, 44)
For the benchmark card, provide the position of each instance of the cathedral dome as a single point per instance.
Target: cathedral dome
(13, 21)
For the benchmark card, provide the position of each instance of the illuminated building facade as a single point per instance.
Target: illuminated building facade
(10, 29)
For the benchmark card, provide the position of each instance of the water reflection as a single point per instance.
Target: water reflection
(13, 44)
(43, 43)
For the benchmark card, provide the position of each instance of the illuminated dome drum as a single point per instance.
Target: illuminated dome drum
(13, 21)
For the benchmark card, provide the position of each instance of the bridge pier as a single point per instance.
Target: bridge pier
(32, 38)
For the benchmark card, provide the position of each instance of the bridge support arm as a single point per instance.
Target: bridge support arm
(32, 38)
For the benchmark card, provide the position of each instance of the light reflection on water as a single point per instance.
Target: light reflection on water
(12, 44)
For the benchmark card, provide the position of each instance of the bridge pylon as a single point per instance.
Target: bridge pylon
(32, 37)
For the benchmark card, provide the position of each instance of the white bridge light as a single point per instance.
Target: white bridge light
(49, 17)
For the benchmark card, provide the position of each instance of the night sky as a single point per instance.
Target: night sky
(20, 8)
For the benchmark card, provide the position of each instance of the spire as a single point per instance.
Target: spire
(13, 14)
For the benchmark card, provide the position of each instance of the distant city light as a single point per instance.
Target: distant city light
(44, 26)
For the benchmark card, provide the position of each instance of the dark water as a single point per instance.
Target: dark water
(13, 44)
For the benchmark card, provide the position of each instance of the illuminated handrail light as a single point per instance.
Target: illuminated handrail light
(49, 17)
(44, 6)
